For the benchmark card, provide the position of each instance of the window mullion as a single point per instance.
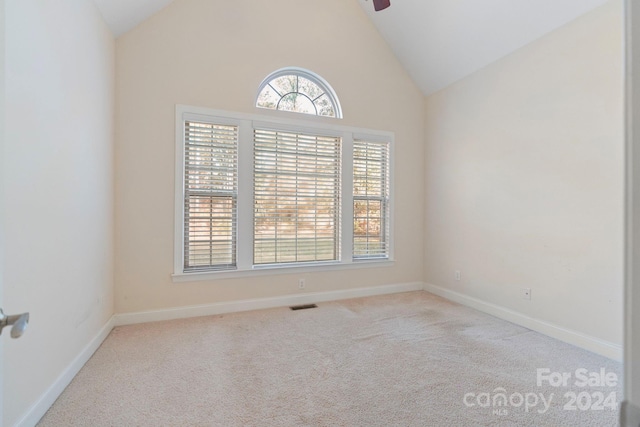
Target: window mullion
(346, 235)
(245, 196)
(314, 170)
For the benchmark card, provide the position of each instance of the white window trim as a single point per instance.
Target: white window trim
(309, 75)
(244, 258)
(384, 201)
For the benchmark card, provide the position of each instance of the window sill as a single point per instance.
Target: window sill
(276, 270)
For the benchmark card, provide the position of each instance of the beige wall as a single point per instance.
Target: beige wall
(215, 54)
(58, 171)
(524, 179)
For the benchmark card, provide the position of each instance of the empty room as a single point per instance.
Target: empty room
(314, 213)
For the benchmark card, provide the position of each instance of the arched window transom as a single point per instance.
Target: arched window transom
(300, 91)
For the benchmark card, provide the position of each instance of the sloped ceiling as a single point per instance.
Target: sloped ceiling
(442, 41)
(438, 41)
(124, 15)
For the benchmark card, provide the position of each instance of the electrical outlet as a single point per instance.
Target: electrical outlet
(301, 284)
(458, 275)
(526, 293)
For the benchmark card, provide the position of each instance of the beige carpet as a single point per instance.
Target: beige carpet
(398, 360)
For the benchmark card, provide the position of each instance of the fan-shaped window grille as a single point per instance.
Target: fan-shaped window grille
(300, 91)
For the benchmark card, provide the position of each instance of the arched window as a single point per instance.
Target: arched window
(300, 91)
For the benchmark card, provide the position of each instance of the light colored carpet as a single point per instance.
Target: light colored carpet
(397, 360)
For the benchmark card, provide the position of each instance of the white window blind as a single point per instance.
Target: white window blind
(296, 197)
(370, 199)
(210, 196)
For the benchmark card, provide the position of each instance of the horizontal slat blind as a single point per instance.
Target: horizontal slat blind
(296, 197)
(211, 187)
(370, 199)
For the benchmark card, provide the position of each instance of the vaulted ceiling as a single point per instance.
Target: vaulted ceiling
(442, 41)
(438, 41)
(124, 15)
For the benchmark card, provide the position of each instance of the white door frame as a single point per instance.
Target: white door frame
(630, 414)
(2, 140)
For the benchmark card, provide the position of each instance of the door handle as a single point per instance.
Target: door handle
(18, 323)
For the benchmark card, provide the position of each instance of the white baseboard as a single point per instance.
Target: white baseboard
(595, 345)
(260, 303)
(38, 409)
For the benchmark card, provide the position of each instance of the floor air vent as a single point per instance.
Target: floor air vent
(302, 307)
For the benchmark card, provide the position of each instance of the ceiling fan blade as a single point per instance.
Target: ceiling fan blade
(379, 5)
